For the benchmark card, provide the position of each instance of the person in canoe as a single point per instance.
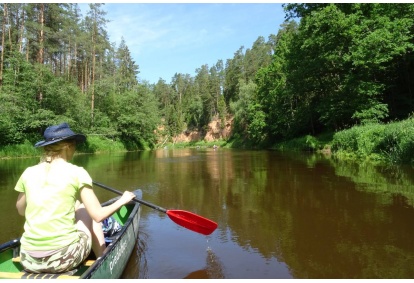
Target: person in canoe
(62, 212)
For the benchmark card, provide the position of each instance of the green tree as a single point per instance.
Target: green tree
(356, 45)
(127, 70)
(202, 84)
(137, 118)
(259, 56)
(234, 71)
(249, 118)
(95, 27)
(273, 87)
(163, 93)
(217, 86)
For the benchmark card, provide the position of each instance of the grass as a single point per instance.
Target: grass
(378, 143)
(21, 150)
(307, 143)
(94, 144)
(391, 143)
(219, 143)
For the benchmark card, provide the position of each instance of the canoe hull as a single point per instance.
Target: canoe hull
(116, 257)
(110, 266)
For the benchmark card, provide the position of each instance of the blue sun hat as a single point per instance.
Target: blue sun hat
(57, 133)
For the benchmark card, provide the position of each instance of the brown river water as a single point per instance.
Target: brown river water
(280, 216)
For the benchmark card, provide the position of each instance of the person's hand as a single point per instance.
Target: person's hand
(126, 197)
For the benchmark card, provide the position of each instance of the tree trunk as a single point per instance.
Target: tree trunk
(2, 42)
(9, 28)
(40, 58)
(93, 77)
(21, 32)
(69, 59)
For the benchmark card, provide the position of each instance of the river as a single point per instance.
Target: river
(279, 215)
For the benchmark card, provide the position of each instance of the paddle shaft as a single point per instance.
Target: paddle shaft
(184, 218)
(135, 199)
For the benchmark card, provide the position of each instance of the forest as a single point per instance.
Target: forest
(330, 68)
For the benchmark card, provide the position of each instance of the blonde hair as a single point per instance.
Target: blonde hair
(55, 150)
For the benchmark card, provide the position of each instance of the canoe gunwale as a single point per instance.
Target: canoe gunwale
(121, 234)
(10, 244)
(129, 229)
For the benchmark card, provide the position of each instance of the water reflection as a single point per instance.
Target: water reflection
(213, 269)
(279, 215)
(137, 266)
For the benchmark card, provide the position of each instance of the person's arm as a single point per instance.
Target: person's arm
(21, 204)
(94, 208)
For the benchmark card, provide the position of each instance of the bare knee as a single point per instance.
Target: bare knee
(83, 219)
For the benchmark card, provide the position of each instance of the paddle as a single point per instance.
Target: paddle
(183, 218)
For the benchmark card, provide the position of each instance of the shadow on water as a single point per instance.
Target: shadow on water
(280, 215)
(137, 266)
(213, 270)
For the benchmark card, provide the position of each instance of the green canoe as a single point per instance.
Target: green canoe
(110, 266)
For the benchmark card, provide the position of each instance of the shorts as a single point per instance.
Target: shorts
(64, 260)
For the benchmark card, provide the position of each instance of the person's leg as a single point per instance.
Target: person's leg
(98, 239)
(93, 229)
(65, 260)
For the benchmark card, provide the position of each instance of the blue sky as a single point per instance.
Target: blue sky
(169, 38)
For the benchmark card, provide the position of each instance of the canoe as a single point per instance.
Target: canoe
(109, 266)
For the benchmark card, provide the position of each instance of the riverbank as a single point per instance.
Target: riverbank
(94, 144)
(391, 143)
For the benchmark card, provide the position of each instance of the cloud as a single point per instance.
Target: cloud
(139, 28)
(167, 25)
(165, 39)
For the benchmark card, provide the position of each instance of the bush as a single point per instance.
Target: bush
(306, 143)
(393, 142)
(95, 144)
(26, 149)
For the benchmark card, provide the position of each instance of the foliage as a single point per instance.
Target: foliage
(337, 69)
(249, 118)
(137, 118)
(331, 67)
(96, 144)
(197, 144)
(21, 150)
(306, 143)
(392, 142)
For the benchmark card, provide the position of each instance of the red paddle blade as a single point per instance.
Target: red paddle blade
(192, 221)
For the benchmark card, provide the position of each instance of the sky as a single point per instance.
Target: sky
(169, 38)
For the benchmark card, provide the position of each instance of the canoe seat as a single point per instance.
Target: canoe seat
(27, 275)
(89, 262)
